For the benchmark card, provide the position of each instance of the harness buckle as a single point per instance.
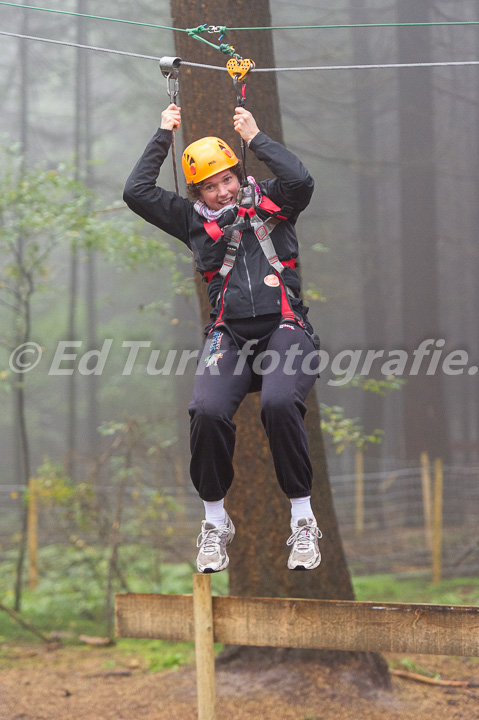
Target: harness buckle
(282, 213)
(232, 249)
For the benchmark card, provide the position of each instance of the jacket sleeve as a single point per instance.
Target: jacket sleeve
(293, 185)
(167, 210)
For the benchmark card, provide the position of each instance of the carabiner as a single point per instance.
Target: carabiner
(172, 87)
(240, 88)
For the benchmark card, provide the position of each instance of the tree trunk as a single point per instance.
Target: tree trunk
(93, 381)
(261, 512)
(475, 395)
(22, 335)
(374, 307)
(424, 407)
(72, 403)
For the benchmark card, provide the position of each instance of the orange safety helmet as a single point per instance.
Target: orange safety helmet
(206, 157)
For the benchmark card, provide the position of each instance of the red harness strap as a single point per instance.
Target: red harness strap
(213, 230)
(209, 274)
(271, 207)
(220, 313)
(216, 233)
(289, 263)
(287, 312)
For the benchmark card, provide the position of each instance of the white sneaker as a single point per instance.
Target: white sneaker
(305, 554)
(212, 542)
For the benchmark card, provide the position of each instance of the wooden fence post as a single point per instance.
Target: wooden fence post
(359, 467)
(204, 639)
(437, 529)
(426, 498)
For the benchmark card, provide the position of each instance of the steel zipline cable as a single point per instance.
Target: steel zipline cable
(448, 63)
(77, 45)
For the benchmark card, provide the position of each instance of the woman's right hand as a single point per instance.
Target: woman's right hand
(171, 117)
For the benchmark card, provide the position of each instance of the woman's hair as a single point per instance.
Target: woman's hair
(194, 189)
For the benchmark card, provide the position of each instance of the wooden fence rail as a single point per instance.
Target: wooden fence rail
(292, 622)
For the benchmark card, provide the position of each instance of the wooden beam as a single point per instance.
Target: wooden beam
(164, 617)
(301, 623)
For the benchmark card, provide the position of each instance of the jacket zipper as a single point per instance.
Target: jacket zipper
(249, 283)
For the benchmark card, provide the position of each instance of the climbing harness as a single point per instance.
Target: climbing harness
(247, 218)
(170, 68)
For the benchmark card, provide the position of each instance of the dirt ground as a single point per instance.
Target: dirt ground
(101, 684)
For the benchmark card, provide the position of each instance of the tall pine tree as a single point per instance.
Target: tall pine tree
(260, 510)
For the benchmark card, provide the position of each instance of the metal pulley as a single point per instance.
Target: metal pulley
(170, 68)
(238, 68)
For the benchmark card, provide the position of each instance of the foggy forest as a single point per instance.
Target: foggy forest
(389, 260)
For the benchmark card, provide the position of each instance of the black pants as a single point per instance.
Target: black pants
(283, 366)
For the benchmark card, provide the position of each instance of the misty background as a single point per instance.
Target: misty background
(394, 153)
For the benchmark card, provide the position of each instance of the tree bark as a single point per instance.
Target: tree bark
(260, 510)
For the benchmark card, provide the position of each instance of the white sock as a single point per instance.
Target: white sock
(215, 512)
(301, 508)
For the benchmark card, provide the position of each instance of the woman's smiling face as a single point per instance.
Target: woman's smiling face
(220, 190)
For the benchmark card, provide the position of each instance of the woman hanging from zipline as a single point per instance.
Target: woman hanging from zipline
(242, 235)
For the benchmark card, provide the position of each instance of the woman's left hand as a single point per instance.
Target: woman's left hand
(245, 124)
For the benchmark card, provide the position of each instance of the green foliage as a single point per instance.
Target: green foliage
(54, 489)
(71, 594)
(344, 431)
(38, 209)
(125, 247)
(312, 293)
(379, 387)
(41, 209)
(319, 247)
(390, 588)
(411, 666)
(348, 432)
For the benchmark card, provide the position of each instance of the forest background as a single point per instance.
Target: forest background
(389, 254)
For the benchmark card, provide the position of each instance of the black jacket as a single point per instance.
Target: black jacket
(247, 295)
